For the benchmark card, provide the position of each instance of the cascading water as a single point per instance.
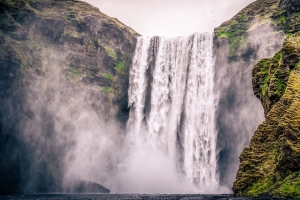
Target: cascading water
(173, 104)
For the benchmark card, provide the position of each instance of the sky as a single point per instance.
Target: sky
(171, 17)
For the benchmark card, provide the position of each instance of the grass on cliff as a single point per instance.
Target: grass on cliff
(297, 65)
(280, 86)
(73, 72)
(68, 33)
(111, 53)
(106, 89)
(289, 186)
(10, 2)
(272, 77)
(108, 76)
(264, 72)
(234, 31)
(120, 65)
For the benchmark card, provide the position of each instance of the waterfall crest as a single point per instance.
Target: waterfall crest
(173, 104)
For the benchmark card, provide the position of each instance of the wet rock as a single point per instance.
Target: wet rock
(90, 187)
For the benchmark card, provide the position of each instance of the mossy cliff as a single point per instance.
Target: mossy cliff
(52, 51)
(256, 32)
(279, 15)
(271, 164)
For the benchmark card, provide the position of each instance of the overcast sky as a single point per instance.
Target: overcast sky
(171, 17)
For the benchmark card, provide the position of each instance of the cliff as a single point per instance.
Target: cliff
(270, 164)
(54, 53)
(258, 31)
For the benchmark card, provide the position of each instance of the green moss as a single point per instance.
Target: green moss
(70, 16)
(106, 89)
(280, 86)
(268, 74)
(111, 53)
(297, 66)
(265, 86)
(243, 17)
(120, 65)
(282, 18)
(68, 33)
(108, 76)
(235, 33)
(260, 187)
(10, 2)
(278, 56)
(290, 186)
(73, 72)
(234, 44)
(223, 33)
(288, 35)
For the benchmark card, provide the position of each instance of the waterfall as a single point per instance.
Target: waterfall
(173, 104)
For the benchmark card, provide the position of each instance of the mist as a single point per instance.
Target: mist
(239, 112)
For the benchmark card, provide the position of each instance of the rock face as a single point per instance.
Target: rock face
(89, 187)
(270, 165)
(54, 53)
(239, 43)
(256, 32)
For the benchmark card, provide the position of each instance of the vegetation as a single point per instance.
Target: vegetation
(111, 53)
(234, 31)
(265, 85)
(70, 16)
(289, 186)
(108, 76)
(120, 65)
(106, 89)
(271, 164)
(261, 12)
(73, 72)
(68, 33)
(243, 17)
(268, 71)
(297, 65)
(10, 2)
(280, 87)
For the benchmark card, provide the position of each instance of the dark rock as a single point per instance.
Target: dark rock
(90, 187)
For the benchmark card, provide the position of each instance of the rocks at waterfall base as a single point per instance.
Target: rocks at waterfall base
(45, 42)
(271, 164)
(90, 187)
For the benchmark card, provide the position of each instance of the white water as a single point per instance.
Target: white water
(172, 105)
